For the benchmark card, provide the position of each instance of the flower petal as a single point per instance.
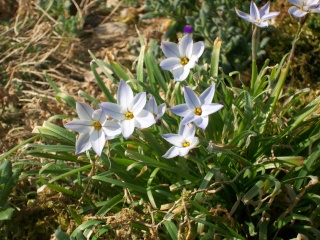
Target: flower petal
(317, 10)
(254, 11)
(210, 108)
(297, 13)
(265, 9)
(83, 143)
(81, 126)
(312, 2)
(144, 119)
(151, 106)
(207, 95)
(298, 3)
(189, 118)
(244, 16)
(191, 98)
(161, 110)
(184, 151)
(175, 139)
(198, 49)
(138, 103)
(172, 152)
(202, 122)
(192, 62)
(97, 139)
(269, 16)
(185, 46)
(124, 95)
(311, 8)
(181, 110)
(194, 142)
(84, 111)
(171, 63)
(261, 24)
(99, 115)
(187, 131)
(127, 128)
(181, 73)
(111, 129)
(170, 49)
(113, 110)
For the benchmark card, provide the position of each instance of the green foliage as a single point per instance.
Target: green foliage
(8, 180)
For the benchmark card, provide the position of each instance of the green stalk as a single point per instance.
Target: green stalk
(254, 68)
(6, 154)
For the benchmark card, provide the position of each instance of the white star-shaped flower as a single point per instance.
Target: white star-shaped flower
(256, 16)
(181, 57)
(129, 110)
(157, 111)
(303, 7)
(183, 141)
(94, 128)
(197, 109)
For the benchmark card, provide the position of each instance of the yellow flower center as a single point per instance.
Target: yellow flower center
(97, 125)
(198, 111)
(129, 115)
(186, 144)
(155, 116)
(184, 61)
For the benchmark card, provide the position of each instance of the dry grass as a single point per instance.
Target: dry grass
(33, 41)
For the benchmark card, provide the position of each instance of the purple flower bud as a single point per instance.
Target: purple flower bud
(187, 29)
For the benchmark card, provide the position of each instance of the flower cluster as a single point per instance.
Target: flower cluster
(113, 119)
(181, 58)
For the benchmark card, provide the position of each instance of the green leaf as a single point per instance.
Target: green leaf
(61, 235)
(254, 191)
(130, 186)
(55, 131)
(52, 84)
(153, 69)
(140, 67)
(108, 205)
(306, 169)
(68, 99)
(6, 214)
(86, 225)
(17, 147)
(172, 229)
(101, 84)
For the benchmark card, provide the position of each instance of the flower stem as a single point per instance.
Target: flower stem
(277, 90)
(254, 68)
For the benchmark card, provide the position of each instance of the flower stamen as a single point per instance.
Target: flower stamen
(184, 61)
(198, 111)
(97, 125)
(129, 115)
(186, 144)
